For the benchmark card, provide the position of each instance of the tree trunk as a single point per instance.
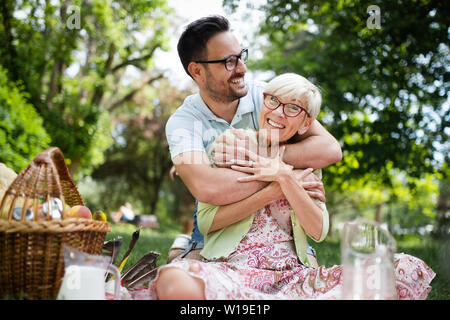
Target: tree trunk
(443, 208)
(6, 12)
(330, 225)
(100, 90)
(73, 166)
(162, 169)
(379, 212)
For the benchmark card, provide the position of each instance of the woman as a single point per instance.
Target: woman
(262, 255)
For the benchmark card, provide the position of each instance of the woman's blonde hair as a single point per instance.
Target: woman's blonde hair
(291, 85)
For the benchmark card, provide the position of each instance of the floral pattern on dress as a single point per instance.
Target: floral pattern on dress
(265, 266)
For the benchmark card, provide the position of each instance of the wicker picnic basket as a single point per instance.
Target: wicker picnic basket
(31, 249)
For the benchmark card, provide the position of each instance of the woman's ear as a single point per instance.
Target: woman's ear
(195, 70)
(305, 126)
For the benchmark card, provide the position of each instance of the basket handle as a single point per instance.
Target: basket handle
(54, 157)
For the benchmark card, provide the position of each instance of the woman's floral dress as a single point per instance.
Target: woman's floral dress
(265, 266)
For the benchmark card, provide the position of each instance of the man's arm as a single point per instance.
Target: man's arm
(207, 184)
(218, 186)
(316, 149)
(227, 215)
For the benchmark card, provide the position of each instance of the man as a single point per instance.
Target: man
(213, 58)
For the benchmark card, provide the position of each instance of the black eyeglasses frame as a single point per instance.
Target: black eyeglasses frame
(237, 56)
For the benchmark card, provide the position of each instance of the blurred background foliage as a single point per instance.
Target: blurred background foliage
(97, 93)
(385, 98)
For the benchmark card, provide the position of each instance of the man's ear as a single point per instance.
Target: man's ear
(305, 126)
(194, 69)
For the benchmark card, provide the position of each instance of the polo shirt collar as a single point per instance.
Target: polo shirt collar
(245, 106)
(246, 103)
(203, 108)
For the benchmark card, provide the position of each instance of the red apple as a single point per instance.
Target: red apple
(79, 212)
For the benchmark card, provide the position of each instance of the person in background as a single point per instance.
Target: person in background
(127, 215)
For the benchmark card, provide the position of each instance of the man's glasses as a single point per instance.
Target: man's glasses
(289, 109)
(231, 61)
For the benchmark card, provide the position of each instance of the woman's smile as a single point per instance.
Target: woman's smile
(275, 124)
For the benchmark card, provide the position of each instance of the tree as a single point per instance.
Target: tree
(382, 67)
(22, 135)
(73, 59)
(138, 163)
(384, 89)
(443, 205)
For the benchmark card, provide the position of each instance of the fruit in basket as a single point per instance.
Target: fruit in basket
(99, 215)
(79, 212)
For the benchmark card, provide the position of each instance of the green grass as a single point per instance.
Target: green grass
(149, 240)
(436, 254)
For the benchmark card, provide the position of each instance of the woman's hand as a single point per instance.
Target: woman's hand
(262, 168)
(227, 148)
(272, 169)
(311, 183)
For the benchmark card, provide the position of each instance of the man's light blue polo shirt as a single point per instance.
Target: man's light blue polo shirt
(193, 126)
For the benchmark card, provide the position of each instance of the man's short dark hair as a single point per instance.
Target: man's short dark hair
(192, 43)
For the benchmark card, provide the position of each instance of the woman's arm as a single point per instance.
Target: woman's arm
(309, 214)
(212, 218)
(229, 214)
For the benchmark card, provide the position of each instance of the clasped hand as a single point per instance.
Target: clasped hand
(241, 154)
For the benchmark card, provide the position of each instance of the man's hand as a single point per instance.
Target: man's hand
(310, 182)
(227, 148)
(312, 185)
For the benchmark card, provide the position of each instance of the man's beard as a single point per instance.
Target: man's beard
(230, 94)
